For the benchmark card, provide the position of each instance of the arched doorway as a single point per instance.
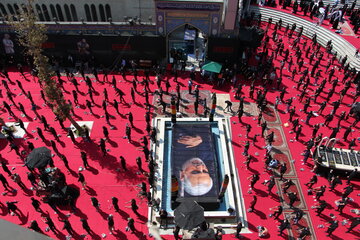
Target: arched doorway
(186, 46)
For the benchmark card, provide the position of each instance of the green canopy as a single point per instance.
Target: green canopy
(212, 67)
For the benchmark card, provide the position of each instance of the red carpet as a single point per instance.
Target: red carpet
(105, 180)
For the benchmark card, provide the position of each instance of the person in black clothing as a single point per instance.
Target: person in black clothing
(288, 183)
(346, 134)
(44, 122)
(348, 189)
(53, 145)
(89, 106)
(36, 204)
(293, 198)
(85, 226)
(105, 132)
(30, 145)
(270, 137)
(4, 182)
(352, 175)
(252, 204)
(228, 106)
(332, 227)
(303, 232)
(65, 161)
(284, 224)
(34, 226)
(319, 192)
(51, 203)
(67, 226)
(263, 128)
(15, 147)
(54, 133)
(134, 207)
(111, 224)
(123, 163)
(130, 225)
(71, 135)
(120, 94)
(22, 109)
(139, 164)
(334, 182)
(51, 224)
(107, 118)
(283, 169)
(354, 223)
(12, 208)
(81, 179)
(41, 135)
(254, 179)
(31, 177)
(20, 123)
(84, 159)
(298, 215)
(6, 105)
(131, 119)
(103, 147)
(312, 181)
(128, 132)
(95, 203)
(176, 232)
(239, 227)
(89, 83)
(75, 97)
(5, 167)
(61, 122)
(115, 201)
(341, 204)
(163, 217)
(278, 212)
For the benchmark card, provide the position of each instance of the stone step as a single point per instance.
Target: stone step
(340, 45)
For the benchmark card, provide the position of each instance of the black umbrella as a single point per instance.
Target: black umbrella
(188, 215)
(38, 158)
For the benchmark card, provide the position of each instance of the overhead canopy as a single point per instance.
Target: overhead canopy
(189, 215)
(212, 67)
(38, 158)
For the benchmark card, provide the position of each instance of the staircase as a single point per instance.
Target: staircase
(340, 5)
(340, 45)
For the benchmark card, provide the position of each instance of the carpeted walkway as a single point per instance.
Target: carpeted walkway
(105, 178)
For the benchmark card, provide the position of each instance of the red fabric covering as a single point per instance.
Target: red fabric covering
(105, 181)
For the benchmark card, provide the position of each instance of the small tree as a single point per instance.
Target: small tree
(32, 35)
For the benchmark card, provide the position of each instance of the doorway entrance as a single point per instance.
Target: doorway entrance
(186, 46)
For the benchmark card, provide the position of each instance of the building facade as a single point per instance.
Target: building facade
(115, 22)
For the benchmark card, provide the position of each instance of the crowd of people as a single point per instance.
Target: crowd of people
(334, 13)
(305, 60)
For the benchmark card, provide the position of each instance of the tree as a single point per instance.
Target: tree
(32, 35)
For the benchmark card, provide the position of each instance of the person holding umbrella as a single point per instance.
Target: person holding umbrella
(188, 215)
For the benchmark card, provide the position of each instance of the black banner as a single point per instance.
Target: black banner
(194, 161)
